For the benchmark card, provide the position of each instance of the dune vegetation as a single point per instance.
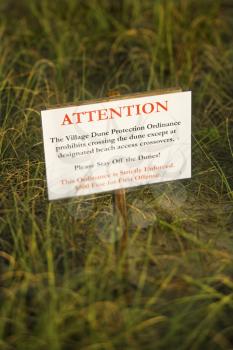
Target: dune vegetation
(62, 286)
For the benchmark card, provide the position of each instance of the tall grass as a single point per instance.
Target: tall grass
(61, 286)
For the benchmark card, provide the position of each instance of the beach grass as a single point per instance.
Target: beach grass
(61, 284)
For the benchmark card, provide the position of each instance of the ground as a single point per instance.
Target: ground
(61, 284)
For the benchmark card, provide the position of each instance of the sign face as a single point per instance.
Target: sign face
(108, 145)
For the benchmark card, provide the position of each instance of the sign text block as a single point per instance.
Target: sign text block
(114, 144)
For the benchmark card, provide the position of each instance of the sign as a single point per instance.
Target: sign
(117, 143)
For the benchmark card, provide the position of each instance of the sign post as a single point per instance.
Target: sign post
(120, 211)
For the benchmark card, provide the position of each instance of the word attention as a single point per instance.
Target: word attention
(111, 113)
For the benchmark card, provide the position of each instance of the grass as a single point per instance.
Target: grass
(61, 286)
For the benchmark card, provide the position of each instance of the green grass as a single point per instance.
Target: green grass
(61, 285)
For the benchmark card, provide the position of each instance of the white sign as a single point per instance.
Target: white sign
(122, 143)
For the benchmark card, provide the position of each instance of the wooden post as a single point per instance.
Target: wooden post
(120, 210)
